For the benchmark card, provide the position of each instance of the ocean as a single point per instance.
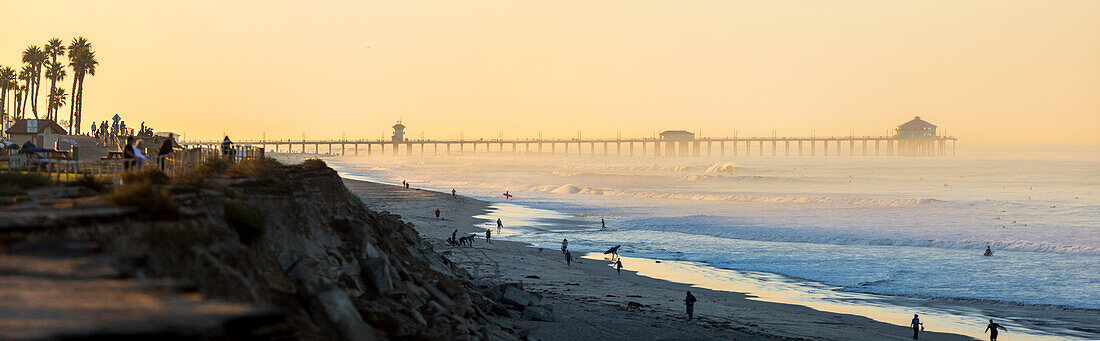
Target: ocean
(913, 227)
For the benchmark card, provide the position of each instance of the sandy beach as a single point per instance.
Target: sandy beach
(590, 299)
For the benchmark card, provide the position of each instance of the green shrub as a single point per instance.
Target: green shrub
(152, 176)
(213, 166)
(246, 219)
(145, 196)
(16, 183)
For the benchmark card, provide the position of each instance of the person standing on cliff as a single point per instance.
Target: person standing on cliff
(488, 235)
(689, 303)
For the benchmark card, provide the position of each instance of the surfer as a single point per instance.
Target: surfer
(603, 225)
(506, 195)
(992, 330)
(988, 252)
(613, 251)
(499, 225)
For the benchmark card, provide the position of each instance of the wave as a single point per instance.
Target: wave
(759, 198)
(788, 235)
(725, 168)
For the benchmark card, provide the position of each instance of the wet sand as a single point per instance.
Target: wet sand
(590, 299)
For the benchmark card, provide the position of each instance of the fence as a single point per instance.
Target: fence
(175, 163)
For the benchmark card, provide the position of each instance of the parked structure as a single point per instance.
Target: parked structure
(42, 133)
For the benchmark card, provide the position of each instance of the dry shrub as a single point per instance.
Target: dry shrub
(213, 166)
(17, 183)
(314, 163)
(145, 196)
(262, 168)
(152, 176)
(91, 182)
(246, 219)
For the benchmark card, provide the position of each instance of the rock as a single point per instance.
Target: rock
(341, 311)
(377, 272)
(539, 313)
(518, 297)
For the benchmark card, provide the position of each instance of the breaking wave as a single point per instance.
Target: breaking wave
(741, 197)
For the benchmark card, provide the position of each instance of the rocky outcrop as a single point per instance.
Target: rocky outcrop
(299, 241)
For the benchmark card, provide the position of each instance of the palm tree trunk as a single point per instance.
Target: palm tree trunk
(34, 92)
(72, 104)
(79, 101)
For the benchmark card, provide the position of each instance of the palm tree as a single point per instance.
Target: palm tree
(34, 57)
(57, 98)
(82, 61)
(54, 72)
(53, 48)
(27, 76)
(19, 90)
(7, 82)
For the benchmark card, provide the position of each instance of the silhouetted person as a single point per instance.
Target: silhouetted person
(988, 252)
(916, 326)
(488, 235)
(619, 267)
(603, 225)
(128, 153)
(613, 251)
(689, 303)
(992, 329)
(454, 194)
(166, 148)
(437, 214)
(454, 234)
(499, 224)
(564, 245)
(227, 147)
(568, 258)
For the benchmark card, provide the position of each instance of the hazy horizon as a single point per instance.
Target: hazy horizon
(989, 72)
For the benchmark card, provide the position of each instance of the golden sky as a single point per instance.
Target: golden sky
(990, 72)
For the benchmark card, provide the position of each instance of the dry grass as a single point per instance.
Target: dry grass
(17, 183)
(314, 163)
(152, 176)
(246, 219)
(145, 196)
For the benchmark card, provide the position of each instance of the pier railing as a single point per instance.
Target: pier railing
(175, 163)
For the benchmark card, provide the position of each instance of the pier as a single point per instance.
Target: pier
(914, 138)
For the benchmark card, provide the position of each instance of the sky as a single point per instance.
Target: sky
(989, 72)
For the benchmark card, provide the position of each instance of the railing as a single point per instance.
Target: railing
(174, 163)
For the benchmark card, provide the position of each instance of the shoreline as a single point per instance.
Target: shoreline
(591, 293)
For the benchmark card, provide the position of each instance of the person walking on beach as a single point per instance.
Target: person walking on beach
(619, 267)
(568, 259)
(499, 225)
(992, 330)
(564, 245)
(437, 214)
(689, 303)
(454, 235)
(454, 194)
(488, 235)
(614, 252)
(917, 326)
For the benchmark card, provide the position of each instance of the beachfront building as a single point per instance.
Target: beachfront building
(42, 133)
(916, 138)
(398, 132)
(677, 142)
